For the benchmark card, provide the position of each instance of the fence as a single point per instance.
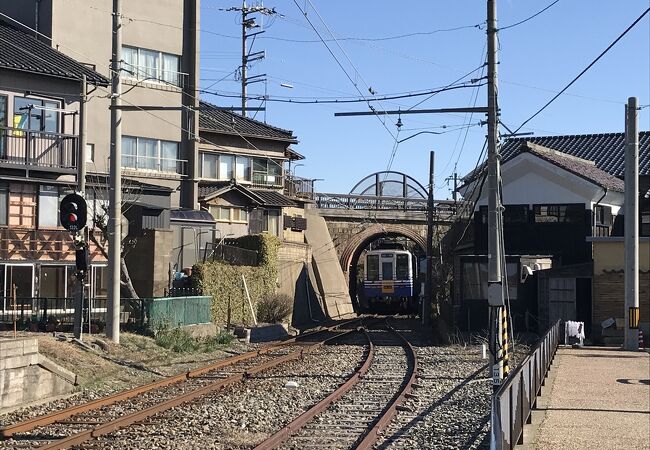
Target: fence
(53, 314)
(517, 397)
(230, 254)
(38, 148)
(178, 311)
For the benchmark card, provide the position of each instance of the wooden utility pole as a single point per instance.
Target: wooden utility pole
(115, 190)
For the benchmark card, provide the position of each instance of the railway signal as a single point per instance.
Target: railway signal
(73, 212)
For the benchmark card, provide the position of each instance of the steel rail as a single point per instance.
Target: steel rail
(57, 416)
(285, 433)
(371, 436)
(138, 416)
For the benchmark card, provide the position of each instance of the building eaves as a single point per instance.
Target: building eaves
(580, 167)
(273, 198)
(22, 52)
(218, 120)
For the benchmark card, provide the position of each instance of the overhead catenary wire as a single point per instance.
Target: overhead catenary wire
(528, 18)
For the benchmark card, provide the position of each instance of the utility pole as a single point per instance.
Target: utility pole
(248, 23)
(428, 296)
(631, 339)
(495, 276)
(115, 190)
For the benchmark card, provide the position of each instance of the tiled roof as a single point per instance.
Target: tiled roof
(606, 150)
(578, 166)
(219, 120)
(23, 52)
(273, 198)
(190, 215)
(263, 197)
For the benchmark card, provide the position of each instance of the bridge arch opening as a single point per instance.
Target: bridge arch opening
(373, 237)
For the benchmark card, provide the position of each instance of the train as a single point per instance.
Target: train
(389, 281)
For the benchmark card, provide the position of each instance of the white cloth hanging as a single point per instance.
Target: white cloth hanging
(574, 329)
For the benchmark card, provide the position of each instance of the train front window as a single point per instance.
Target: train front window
(402, 268)
(372, 267)
(387, 270)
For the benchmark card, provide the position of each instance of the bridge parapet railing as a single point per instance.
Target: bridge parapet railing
(517, 396)
(371, 202)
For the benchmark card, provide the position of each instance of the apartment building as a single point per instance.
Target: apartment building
(160, 81)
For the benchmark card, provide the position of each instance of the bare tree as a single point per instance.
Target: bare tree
(131, 192)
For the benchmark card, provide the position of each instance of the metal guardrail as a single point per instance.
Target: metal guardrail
(371, 202)
(231, 254)
(517, 396)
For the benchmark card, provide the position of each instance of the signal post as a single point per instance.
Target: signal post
(73, 213)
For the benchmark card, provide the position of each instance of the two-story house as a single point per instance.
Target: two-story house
(160, 73)
(558, 192)
(242, 181)
(40, 91)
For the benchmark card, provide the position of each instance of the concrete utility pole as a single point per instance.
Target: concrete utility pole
(248, 23)
(80, 240)
(115, 190)
(428, 295)
(631, 339)
(495, 277)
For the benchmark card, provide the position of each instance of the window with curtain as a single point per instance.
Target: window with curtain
(48, 206)
(129, 153)
(150, 154)
(243, 168)
(225, 167)
(209, 165)
(148, 64)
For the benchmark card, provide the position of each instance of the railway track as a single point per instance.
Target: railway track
(77, 425)
(354, 415)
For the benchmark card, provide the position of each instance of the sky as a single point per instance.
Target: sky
(536, 60)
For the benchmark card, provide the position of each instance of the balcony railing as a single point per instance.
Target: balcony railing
(155, 164)
(39, 149)
(299, 187)
(264, 180)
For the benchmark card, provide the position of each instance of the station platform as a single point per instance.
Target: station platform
(595, 398)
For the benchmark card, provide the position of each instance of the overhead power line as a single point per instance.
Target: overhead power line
(330, 100)
(591, 64)
(529, 18)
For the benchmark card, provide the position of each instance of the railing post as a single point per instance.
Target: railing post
(27, 146)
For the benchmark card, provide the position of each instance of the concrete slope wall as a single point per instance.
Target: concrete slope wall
(325, 272)
(27, 376)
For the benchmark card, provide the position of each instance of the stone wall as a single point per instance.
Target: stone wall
(27, 376)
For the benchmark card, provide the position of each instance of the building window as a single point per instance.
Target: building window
(229, 214)
(267, 172)
(90, 153)
(36, 115)
(48, 207)
(143, 64)
(22, 205)
(559, 213)
(3, 110)
(225, 167)
(4, 203)
(150, 154)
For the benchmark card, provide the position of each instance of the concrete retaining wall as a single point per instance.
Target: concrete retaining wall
(27, 376)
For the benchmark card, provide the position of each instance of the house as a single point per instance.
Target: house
(558, 193)
(243, 179)
(40, 92)
(160, 79)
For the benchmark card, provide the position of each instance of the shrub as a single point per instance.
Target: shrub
(274, 308)
(215, 342)
(176, 340)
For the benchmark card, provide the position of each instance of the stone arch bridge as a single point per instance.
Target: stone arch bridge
(383, 204)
